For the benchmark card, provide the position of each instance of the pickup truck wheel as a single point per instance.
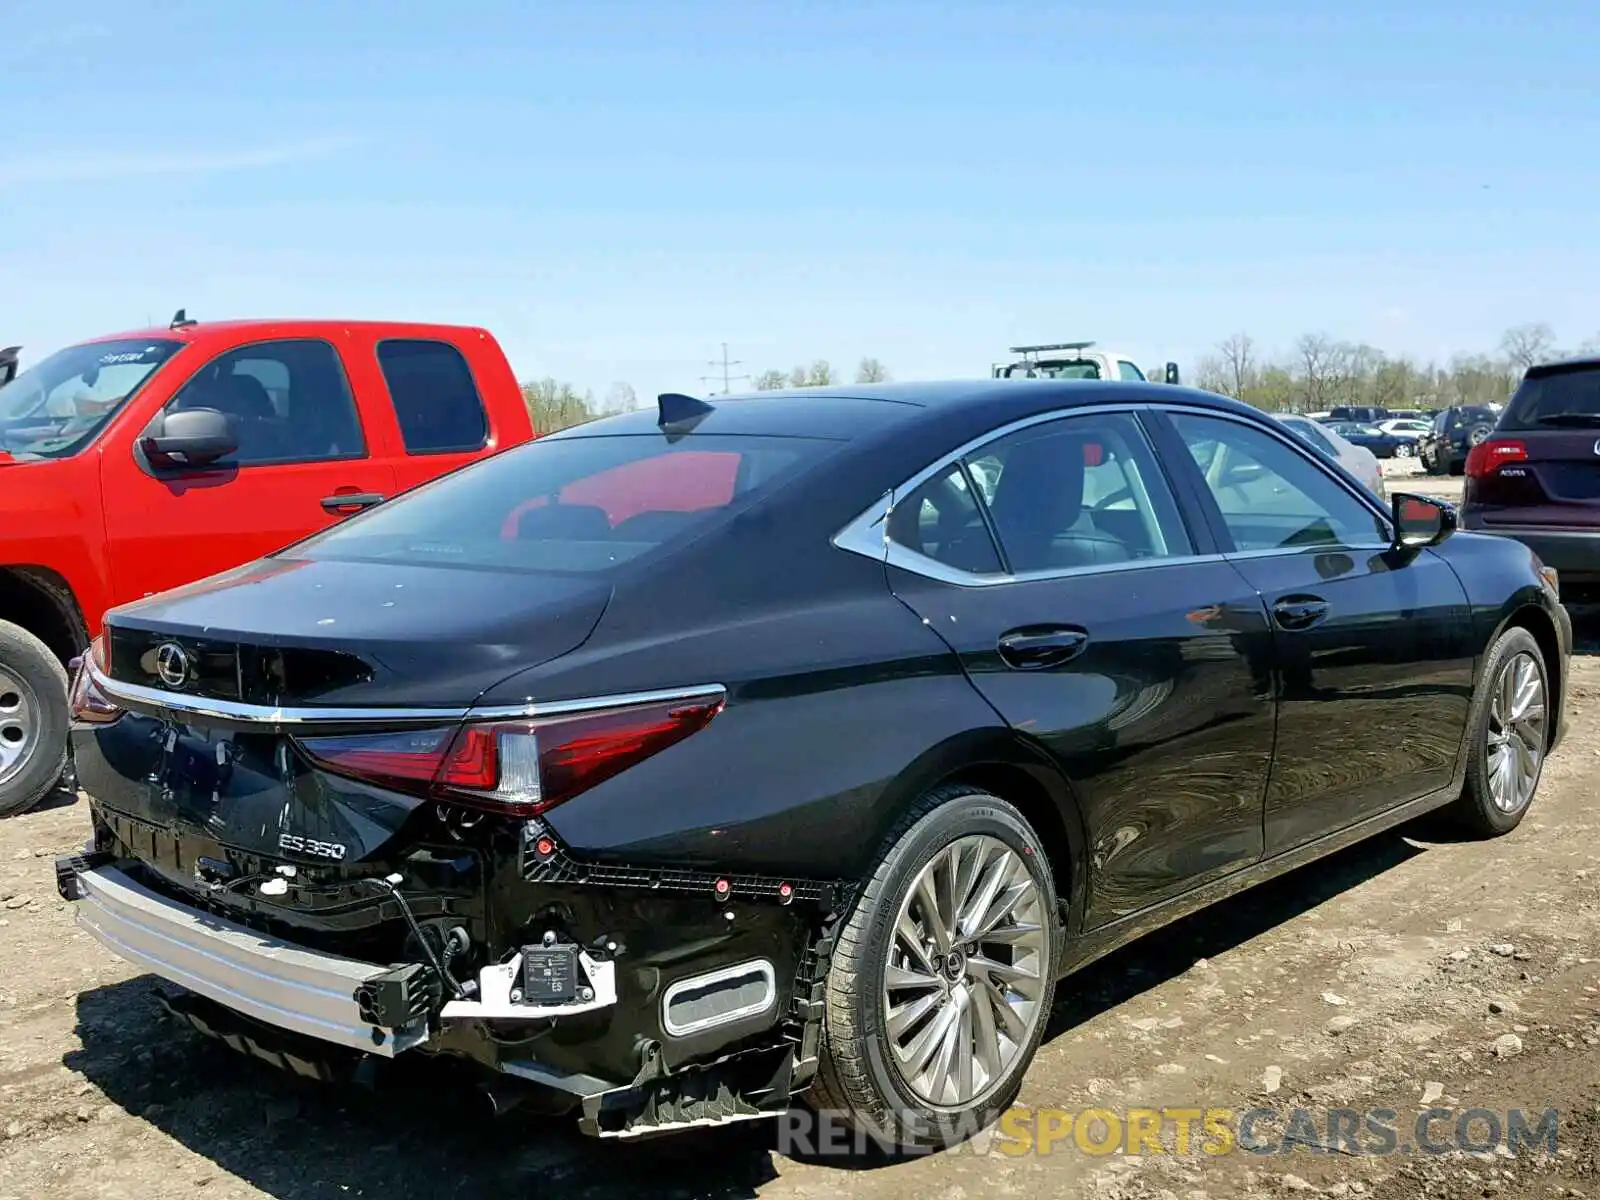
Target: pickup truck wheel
(33, 720)
(942, 977)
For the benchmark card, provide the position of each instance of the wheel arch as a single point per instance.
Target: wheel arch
(1542, 626)
(1002, 762)
(41, 601)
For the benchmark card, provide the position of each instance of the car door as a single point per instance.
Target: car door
(1055, 562)
(1373, 644)
(303, 462)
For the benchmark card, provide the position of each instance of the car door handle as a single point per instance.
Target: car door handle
(1299, 612)
(1038, 647)
(351, 501)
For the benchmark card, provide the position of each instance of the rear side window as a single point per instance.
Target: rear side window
(1551, 399)
(570, 504)
(434, 396)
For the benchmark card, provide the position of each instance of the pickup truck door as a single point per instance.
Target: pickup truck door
(425, 404)
(304, 461)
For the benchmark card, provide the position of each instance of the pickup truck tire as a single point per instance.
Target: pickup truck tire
(33, 720)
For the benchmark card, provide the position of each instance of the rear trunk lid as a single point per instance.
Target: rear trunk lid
(1541, 467)
(206, 764)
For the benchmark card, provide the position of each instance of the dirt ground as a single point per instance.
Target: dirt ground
(1404, 973)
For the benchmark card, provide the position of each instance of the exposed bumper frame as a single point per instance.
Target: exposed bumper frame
(323, 996)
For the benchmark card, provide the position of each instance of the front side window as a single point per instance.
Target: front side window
(1269, 495)
(289, 402)
(434, 396)
(57, 406)
(1126, 370)
(582, 505)
(1080, 492)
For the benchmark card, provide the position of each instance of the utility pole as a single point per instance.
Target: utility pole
(725, 364)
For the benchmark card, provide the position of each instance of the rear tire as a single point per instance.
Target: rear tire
(1508, 737)
(33, 720)
(944, 1056)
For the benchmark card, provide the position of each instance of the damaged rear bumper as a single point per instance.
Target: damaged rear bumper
(357, 1005)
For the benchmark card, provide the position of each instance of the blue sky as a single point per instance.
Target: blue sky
(617, 188)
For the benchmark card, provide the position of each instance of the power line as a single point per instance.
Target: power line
(725, 364)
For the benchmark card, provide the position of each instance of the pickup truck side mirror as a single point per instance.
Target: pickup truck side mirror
(8, 364)
(192, 437)
(1171, 373)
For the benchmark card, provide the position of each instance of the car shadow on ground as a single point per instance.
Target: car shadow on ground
(424, 1130)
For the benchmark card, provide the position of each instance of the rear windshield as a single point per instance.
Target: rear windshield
(1568, 396)
(57, 406)
(571, 505)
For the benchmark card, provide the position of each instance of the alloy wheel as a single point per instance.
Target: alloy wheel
(965, 987)
(1516, 738)
(19, 724)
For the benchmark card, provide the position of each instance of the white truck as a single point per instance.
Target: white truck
(1074, 360)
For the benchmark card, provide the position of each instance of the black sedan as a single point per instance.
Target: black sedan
(689, 763)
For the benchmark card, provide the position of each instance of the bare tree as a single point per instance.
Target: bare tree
(621, 397)
(553, 405)
(1316, 354)
(872, 371)
(1213, 374)
(1525, 345)
(1239, 364)
(770, 381)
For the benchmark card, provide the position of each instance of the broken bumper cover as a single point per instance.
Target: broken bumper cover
(359, 1005)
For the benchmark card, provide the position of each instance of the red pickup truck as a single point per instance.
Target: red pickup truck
(138, 462)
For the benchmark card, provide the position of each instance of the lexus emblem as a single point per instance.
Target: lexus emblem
(172, 664)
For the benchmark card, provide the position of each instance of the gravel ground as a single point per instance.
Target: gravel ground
(1410, 971)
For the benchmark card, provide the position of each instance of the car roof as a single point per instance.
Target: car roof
(848, 412)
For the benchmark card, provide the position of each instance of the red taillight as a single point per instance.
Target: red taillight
(524, 766)
(88, 705)
(1490, 456)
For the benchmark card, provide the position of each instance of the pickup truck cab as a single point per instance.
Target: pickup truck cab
(138, 462)
(1075, 360)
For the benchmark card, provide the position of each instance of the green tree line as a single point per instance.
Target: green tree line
(1321, 372)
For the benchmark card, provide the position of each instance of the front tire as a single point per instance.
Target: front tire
(1508, 728)
(942, 977)
(33, 720)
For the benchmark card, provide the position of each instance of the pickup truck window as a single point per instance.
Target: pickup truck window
(289, 400)
(57, 406)
(434, 396)
(1126, 370)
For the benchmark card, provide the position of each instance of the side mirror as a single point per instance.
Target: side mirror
(193, 437)
(1421, 520)
(8, 364)
(1171, 374)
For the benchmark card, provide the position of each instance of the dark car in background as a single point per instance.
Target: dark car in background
(1456, 430)
(1382, 445)
(691, 762)
(1537, 477)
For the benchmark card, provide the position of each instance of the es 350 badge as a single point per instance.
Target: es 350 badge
(293, 843)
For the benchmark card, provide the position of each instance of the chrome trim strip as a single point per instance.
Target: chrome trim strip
(867, 534)
(757, 966)
(141, 697)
